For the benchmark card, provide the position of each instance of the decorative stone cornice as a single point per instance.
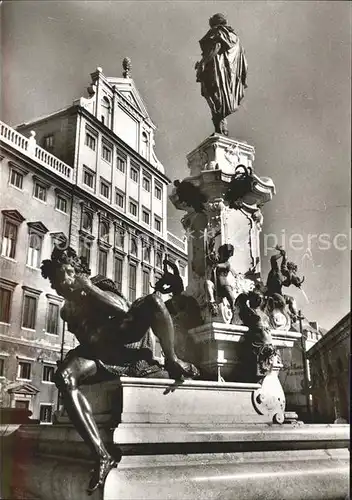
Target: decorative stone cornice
(29, 289)
(56, 298)
(86, 235)
(38, 227)
(59, 236)
(234, 333)
(120, 252)
(23, 170)
(104, 244)
(13, 215)
(40, 181)
(9, 284)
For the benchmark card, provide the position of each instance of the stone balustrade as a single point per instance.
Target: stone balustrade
(29, 147)
(174, 240)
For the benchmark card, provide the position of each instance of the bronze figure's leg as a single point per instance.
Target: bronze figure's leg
(73, 372)
(152, 312)
(163, 328)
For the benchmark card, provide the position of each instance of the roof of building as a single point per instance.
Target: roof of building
(341, 330)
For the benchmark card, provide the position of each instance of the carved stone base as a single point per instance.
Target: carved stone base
(219, 347)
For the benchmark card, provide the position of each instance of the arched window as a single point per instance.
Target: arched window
(134, 247)
(119, 238)
(145, 145)
(106, 111)
(87, 221)
(146, 253)
(104, 231)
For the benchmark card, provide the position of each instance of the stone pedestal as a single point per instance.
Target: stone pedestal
(180, 441)
(213, 166)
(219, 348)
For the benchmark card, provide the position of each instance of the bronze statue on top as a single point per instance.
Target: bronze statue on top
(113, 338)
(222, 71)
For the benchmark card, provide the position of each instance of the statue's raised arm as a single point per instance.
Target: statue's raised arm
(222, 71)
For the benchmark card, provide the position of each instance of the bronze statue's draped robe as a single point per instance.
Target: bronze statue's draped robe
(222, 71)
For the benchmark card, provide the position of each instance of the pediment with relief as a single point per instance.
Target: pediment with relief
(13, 215)
(38, 226)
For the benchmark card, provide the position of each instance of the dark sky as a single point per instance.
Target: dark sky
(296, 111)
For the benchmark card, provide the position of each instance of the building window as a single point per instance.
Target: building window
(121, 164)
(146, 183)
(119, 199)
(106, 153)
(59, 240)
(16, 178)
(46, 414)
(39, 191)
(87, 221)
(158, 191)
(105, 111)
(61, 203)
(105, 189)
(132, 282)
(90, 141)
(104, 231)
(84, 251)
(146, 281)
(48, 142)
(102, 262)
(119, 238)
(9, 239)
(134, 174)
(2, 367)
(24, 370)
(133, 208)
(133, 247)
(52, 321)
(118, 273)
(159, 260)
(146, 216)
(146, 253)
(88, 177)
(34, 250)
(29, 312)
(144, 145)
(48, 373)
(157, 224)
(5, 305)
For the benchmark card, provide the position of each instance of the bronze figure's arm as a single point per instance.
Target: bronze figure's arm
(107, 302)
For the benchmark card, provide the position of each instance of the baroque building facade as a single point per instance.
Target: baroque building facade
(295, 374)
(86, 176)
(329, 361)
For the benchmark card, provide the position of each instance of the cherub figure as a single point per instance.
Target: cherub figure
(285, 275)
(112, 336)
(224, 281)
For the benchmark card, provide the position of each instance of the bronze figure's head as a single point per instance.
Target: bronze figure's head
(217, 20)
(61, 270)
(225, 252)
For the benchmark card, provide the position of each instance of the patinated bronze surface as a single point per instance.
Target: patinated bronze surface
(113, 337)
(285, 275)
(222, 71)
